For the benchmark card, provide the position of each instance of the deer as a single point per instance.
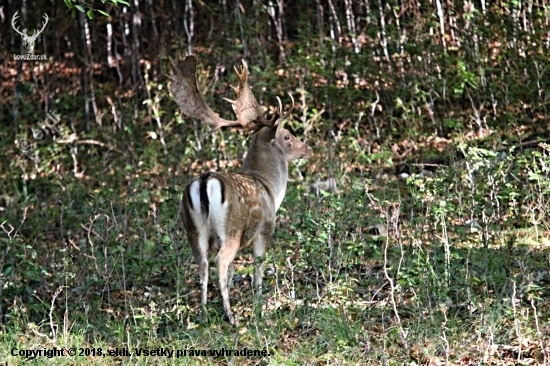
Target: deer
(226, 212)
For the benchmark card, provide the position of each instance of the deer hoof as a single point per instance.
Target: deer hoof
(231, 319)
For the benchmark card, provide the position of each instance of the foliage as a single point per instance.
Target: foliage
(431, 248)
(89, 9)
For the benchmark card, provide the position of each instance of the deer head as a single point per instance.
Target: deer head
(226, 212)
(28, 41)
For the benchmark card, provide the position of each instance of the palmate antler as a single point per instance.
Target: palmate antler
(190, 100)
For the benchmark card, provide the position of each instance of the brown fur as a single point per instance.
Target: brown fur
(249, 199)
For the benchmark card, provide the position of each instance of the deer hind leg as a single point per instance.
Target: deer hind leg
(201, 258)
(224, 259)
(198, 233)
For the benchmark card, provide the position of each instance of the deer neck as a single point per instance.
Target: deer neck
(265, 162)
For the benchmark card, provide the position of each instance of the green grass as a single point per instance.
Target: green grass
(99, 266)
(92, 255)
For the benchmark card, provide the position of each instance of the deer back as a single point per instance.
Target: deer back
(224, 205)
(244, 204)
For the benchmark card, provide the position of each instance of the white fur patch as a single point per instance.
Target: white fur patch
(218, 210)
(279, 199)
(197, 216)
(195, 196)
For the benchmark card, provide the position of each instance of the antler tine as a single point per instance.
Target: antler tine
(243, 80)
(13, 20)
(247, 109)
(243, 74)
(278, 112)
(46, 18)
(280, 117)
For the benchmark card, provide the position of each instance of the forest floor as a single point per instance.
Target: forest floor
(449, 266)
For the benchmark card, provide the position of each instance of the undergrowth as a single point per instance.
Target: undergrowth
(449, 266)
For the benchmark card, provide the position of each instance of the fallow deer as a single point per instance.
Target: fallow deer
(230, 211)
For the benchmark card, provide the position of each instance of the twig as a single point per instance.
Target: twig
(72, 140)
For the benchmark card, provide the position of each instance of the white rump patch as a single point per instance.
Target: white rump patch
(218, 210)
(195, 196)
(197, 216)
(214, 192)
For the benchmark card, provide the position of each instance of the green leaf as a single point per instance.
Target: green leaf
(90, 14)
(7, 270)
(103, 12)
(80, 8)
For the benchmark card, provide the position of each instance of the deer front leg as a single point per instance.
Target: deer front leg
(260, 246)
(224, 259)
(230, 273)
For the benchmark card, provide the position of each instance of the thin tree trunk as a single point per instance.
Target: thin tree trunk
(189, 25)
(441, 17)
(320, 21)
(335, 27)
(243, 38)
(350, 19)
(276, 18)
(383, 36)
(136, 24)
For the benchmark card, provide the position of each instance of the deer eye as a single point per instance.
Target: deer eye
(287, 137)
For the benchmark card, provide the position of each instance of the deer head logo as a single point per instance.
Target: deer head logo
(28, 41)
